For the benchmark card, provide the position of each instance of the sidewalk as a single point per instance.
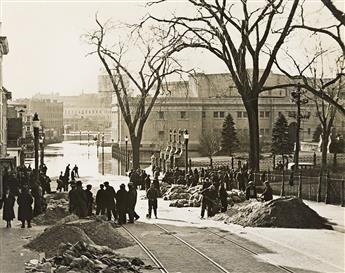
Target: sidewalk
(334, 214)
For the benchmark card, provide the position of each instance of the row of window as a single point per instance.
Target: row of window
(89, 111)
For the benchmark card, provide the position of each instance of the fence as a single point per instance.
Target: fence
(315, 188)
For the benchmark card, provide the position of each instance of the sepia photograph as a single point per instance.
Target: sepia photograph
(172, 136)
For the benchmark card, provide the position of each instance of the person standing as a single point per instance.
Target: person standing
(147, 182)
(223, 196)
(267, 195)
(122, 203)
(80, 200)
(152, 195)
(132, 201)
(89, 199)
(76, 171)
(109, 201)
(250, 190)
(7, 202)
(25, 201)
(100, 201)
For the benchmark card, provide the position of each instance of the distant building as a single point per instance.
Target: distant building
(201, 105)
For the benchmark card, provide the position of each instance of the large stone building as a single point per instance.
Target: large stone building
(202, 103)
(4, 96)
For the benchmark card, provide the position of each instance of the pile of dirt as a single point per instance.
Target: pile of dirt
(57, 208)
(71, 230)
(84, 257)
(286, 212)
(164, 187)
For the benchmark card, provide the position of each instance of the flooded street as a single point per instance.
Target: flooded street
(57, 156)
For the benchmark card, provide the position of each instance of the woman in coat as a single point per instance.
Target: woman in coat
(25, 201)
(7, 202)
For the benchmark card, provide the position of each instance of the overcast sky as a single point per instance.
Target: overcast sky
(47, 53)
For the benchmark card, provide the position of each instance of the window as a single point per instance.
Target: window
(309, 131)
(239, 114)
(161, 115)
(161, 135)
(28, 128)
(203, 114)
(221, 114)
(183, 114)
(267, 132)
(245, 115)
(267, 114)
(262, 114)
(215, 114)
(262, 132)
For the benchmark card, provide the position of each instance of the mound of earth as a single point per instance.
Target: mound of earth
(73, 230)
(83, 257)
(49, 241)
(286, 212)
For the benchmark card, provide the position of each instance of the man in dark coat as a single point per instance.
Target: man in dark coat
(109, 201)
(25, 201)
(152, 195)
(7, 202)
(72, 199)
(147, 182)
(122, 203)
(100, 201)
(89, 199)
(267, 195)
(80, 201)
(132, 201)
(223, 196)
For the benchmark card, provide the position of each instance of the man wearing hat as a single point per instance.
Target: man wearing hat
(122, 203)
(109, 200)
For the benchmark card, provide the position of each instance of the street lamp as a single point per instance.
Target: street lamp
(36, 126)
(186, 139)
(79, 137)
(296, 98)
(98, 136)
(126, 154)
(41, 140)
(103, 154)
(88, 136)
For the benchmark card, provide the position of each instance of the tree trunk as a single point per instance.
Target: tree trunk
(251, 105)
(324, 146)
(135, 142)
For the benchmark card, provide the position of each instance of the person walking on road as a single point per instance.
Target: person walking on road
(100, 200)
(122, 203)
(25, 201)
(152, 195)
(89, 198)
(132, 201)
(7, 202)
(109, 201)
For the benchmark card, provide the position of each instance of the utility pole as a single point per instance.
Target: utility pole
(103, 154)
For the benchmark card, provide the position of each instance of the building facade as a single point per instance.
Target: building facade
(4, 96)
(202, 103)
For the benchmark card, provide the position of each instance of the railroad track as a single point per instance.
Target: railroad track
(219, 267)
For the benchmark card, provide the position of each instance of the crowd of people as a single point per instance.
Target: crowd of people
(120, 205)
(20, 185)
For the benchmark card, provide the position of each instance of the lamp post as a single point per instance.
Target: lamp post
(103, 154)
(98, 136)
(79, 137)
(126, 154)
(296, 98)
(186, 139)
(36, 126)
(41, 140)
(88, 136)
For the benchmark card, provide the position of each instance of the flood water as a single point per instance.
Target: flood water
(84, 154)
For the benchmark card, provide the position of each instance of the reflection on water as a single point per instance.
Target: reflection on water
(57, 156)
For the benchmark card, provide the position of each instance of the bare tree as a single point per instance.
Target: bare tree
(154, 63)
(209, 144)
(337, 13)
(239, 38)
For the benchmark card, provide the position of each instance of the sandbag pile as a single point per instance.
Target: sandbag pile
(184, 197)
(164, 187)
(285, 212)
(85, 257)
(57, 209)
